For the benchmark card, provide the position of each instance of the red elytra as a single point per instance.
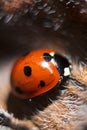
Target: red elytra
(34, 74)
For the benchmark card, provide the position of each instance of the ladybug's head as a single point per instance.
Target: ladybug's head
(63, 66)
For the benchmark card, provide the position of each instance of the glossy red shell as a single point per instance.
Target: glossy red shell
(40, 71)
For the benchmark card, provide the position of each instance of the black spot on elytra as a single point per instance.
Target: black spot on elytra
(47, 57)
(18, 90)
(27, 70)
(42, 83)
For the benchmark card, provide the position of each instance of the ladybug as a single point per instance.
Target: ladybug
(38, 72)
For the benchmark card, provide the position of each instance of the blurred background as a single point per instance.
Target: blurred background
(27, 25)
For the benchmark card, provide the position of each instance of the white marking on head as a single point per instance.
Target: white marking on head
(66, 71)
(52, 60)
(52, 53)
